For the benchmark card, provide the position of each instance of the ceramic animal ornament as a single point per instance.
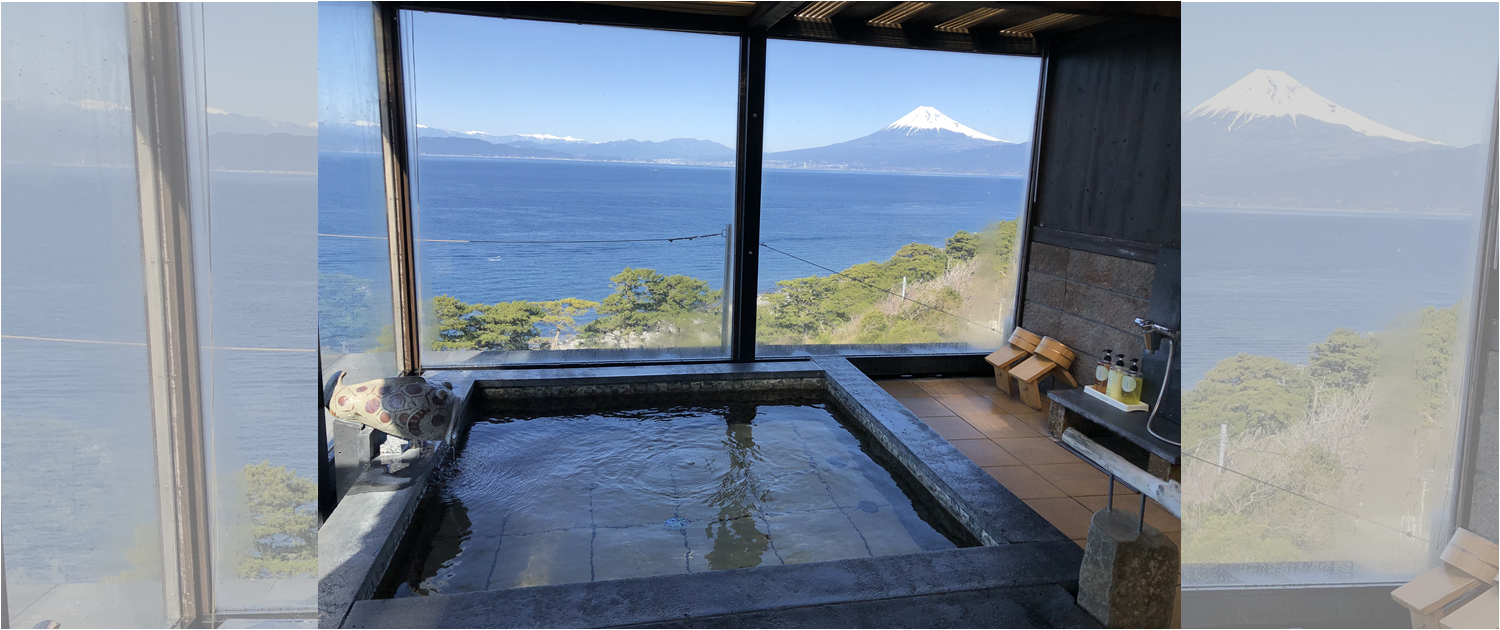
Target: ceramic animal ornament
(409, 407)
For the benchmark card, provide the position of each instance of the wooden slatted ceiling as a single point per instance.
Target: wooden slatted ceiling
(1053, 22)
(962, 23)
(898, 14)
(820, 11)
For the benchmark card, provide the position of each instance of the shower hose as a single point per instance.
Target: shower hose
(1157, 407)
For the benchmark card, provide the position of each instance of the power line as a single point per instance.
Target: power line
(621, 240)
(143, 344)
(1308, 498)
(841, 274)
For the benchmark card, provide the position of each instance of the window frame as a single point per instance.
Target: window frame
(753, 32)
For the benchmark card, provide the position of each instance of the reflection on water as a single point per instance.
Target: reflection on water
(737, 542)
(605, 492)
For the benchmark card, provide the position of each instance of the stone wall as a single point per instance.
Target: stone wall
(1088, 301)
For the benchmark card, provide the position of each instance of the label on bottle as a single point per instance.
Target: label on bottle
(1101, 373)
(1127, 384)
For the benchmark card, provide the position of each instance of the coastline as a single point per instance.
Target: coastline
(717, 165)
(1296, 210)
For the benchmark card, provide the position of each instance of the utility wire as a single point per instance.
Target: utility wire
(1303, 496)
(840, 274)
(622, 240)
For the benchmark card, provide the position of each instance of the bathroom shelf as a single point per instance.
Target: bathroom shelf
(1126, 424)
(1104, 398)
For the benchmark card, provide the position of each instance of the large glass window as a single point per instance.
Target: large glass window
(257, 299)
(893, 188)
(355, 316)
(80, 499)
(1332, 187)
(574, 189)
(98, 472)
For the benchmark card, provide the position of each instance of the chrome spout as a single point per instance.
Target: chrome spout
(1153, 332)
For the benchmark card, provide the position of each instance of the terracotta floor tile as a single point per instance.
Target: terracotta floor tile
(952, 428)
(925, 407)
(985, 385)
(1121, 490)
(985, 453)
(1161, 519)
(971, 404)
(1010, 405)
(1024, 483)
(1076, 478)
(1065, 514)
(1037, 450)
(1036, 421)
(1123, 501)
(902, 388)
(1000, 426)
(1155, 515)
(944, 387)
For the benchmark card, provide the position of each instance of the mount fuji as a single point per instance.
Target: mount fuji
(1269, 140)
(924, 140)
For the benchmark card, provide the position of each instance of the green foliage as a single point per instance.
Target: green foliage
(962, 245)
(1437, 340)
(1215, 537)
(1246, 392)
(811, 309)
(645, 300)
(562, 316)
(997, 247)
(1346, 361)
(1237, 519)
(283, 523)
(503, 326)
(646, 305)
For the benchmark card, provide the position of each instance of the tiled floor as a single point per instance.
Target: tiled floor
(1009, 441)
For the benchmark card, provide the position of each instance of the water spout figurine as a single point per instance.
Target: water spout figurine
(409, 407)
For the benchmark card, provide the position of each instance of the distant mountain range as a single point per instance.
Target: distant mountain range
(924, 141)
(1267, 140)
(99, 133)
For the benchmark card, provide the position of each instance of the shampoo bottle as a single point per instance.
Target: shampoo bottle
(1131, 384)
(1116, 373)
(1101, 371)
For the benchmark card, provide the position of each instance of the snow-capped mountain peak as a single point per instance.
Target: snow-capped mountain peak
(548, 136)
(924, 118)
(1273, 93)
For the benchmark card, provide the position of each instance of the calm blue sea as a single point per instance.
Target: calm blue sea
(1273, 282)
(834, 219)
(1269, 282)
(79, 475)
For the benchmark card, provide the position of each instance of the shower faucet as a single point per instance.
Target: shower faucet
(1153, 332)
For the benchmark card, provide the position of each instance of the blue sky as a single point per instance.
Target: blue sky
(260, 59)
(601, 83)
(1423, 68)
(819, 94)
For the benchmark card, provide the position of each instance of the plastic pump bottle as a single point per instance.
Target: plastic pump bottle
(1131, 384)
(1116, 373)
(1101, 371)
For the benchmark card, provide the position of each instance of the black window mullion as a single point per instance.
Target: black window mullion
(747, 171)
